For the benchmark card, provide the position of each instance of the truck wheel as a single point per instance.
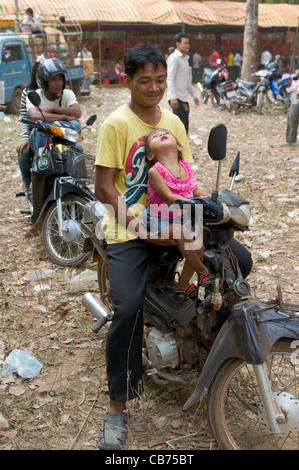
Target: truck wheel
(14, 106)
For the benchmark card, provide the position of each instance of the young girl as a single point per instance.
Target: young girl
(171, 178)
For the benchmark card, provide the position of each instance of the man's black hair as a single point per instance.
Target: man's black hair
(141, 55)
(178, 37)
(29, 10)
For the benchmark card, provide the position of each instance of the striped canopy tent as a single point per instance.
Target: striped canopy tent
(158, 12)
(287, 15)
(269, 14)
(194, 13)
(281, 15)
(228, 13)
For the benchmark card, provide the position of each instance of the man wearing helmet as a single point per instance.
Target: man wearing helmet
(57, 102)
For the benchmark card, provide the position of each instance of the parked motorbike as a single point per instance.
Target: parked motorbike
(253, 94)
(248, 346)
(281, 88)
(59, 190)
(218, 88)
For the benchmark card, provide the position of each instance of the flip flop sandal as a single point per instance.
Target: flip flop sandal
(191, 291)
(113, 434)
(24, 188)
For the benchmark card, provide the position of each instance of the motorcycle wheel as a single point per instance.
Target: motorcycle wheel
(235, 407)
(214, 101)
(204, 97)
(261, 101)
(67, 250)
(104, 285)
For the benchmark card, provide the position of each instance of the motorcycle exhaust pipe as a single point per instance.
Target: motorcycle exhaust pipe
(91, 303)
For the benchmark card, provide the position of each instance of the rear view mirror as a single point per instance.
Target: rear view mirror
(34, 98)
(217, 142)
(91, 120)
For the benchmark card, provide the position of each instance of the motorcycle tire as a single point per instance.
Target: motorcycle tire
(261, 101)
(214, 102)
(236, 413)
(67, 250)
(204, 97)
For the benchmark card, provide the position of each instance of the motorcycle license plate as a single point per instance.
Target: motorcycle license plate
(231, 94)
(290, 89)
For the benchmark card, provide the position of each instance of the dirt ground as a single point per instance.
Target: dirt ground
(63, 406)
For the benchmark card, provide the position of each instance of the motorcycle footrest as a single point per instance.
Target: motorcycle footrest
(20, 194)
(24, 211)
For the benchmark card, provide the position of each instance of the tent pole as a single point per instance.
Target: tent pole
(100, 72)
(296, 44)
(16, 17)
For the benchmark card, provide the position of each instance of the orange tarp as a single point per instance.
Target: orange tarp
(104, 11)
(194, 13)
(159, 12)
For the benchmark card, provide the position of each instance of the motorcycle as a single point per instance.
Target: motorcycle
(251, 366)
(218, 88)
(281, 88)
(253, 94)
(59, 191)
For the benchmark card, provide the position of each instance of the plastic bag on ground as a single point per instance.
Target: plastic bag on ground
(24, 364)
(82, 280)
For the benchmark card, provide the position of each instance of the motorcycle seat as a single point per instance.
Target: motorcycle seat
(247, 84)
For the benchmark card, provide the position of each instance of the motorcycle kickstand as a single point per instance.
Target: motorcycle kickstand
(274, 414)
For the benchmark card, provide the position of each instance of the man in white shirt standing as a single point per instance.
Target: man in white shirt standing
(86, 54)
(265, 57)
(179, 81)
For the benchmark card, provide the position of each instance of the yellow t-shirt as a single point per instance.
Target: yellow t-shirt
(230, 60)
(121, 145)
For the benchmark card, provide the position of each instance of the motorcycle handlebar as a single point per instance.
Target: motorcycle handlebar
(212, 210)
(38, 124)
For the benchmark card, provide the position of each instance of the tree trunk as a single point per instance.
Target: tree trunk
(250, 51)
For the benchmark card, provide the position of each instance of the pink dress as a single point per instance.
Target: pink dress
(159, 213)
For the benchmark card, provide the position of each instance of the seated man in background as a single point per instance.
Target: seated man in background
(57, 103)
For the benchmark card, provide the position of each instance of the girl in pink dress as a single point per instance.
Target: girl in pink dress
(171, 178)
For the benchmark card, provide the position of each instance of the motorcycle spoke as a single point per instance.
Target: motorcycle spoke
(69, 246)
(239, 417)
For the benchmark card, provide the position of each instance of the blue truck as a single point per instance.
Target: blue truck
(17, 54)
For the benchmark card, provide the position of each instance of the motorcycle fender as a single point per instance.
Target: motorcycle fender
(249, 335)
(262, 88)
(68, 187)
(225, 346)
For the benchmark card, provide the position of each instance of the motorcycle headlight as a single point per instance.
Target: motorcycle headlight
(66, 133)
(241, 215)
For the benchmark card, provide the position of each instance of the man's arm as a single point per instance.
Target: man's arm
(172, 65)
(55, 113)
(106, 192)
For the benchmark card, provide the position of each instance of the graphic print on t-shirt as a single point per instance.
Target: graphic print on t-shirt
(137, 173)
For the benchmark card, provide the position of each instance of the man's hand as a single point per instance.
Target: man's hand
(24, 144)
(149, 237)
(174, 104)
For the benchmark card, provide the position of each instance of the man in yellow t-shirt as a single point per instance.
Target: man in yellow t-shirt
(121, 184)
